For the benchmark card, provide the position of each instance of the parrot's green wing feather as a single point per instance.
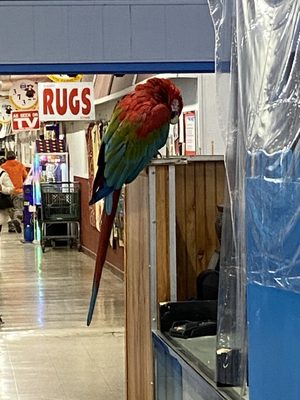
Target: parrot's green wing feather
(130, 144)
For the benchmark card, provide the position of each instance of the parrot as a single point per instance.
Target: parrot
(138, 128)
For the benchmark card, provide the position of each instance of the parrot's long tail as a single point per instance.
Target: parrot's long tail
(105, 229)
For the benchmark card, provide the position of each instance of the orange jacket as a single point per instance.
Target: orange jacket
(17, 173)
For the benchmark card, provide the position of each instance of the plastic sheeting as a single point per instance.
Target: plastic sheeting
(258, 85)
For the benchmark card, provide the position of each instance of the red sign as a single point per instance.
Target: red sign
(66, 101)
(25, 120)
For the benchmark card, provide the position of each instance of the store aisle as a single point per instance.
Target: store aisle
(46, 350)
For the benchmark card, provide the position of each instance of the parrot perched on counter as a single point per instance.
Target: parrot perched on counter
(138, 128)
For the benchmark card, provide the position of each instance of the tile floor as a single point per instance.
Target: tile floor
(46, 350)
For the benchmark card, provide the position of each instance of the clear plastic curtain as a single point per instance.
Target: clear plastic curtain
(258, 73)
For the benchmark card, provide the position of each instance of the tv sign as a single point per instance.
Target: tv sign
(66, 101)
(25, 120)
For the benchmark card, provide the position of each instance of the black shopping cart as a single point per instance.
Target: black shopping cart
(60, 214)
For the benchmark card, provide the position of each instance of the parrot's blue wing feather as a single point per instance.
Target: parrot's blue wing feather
(108, 202)
(101, 193)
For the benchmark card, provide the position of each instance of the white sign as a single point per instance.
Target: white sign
(66, 101)
(190, 133)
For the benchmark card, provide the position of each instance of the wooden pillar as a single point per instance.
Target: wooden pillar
(139, 357)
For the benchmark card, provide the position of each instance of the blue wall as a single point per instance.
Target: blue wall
(104, 32)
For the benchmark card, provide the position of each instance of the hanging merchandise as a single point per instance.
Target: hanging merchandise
(5, 110)
(93, 140)
(96, 138)
(24, 94)
(91, 170)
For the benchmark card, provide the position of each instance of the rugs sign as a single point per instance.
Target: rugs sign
(66, 101)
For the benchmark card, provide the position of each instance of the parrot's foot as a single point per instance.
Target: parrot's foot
(158, 155)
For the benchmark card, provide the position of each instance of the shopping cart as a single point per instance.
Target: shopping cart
(60, 214)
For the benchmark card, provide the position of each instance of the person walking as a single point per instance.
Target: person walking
(6, 187)
(17, 173)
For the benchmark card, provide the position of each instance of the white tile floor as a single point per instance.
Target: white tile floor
(46, 350)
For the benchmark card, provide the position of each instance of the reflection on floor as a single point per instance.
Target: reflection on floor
(46, 350)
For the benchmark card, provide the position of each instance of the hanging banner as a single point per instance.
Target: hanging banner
(25, 120)
(66, 101)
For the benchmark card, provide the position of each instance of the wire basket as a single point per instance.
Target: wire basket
(60, 201)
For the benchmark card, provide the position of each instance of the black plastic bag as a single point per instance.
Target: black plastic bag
(5, 201)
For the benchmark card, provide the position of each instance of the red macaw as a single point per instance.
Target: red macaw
(139, 127)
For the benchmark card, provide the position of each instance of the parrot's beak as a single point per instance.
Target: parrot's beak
(175, 119)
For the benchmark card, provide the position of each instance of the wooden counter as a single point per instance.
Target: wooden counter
(197, 189)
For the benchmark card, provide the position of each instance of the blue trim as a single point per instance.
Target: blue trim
(110, 68)
(224, 67)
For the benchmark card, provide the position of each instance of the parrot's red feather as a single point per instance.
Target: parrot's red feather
(147, 107)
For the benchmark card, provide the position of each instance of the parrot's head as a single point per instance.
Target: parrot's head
(175, 102)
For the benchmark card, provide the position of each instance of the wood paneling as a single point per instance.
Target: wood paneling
(210, 210)
(200, 217)
(90, 235)
(181, 232)
(190, 215)
(199, 189)
(220, 183)
(162, 233)
(139, 358)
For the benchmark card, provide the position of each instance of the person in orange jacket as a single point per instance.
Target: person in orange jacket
(6, 187)
(17, 173)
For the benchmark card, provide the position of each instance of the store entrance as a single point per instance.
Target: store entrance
(59, 153)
